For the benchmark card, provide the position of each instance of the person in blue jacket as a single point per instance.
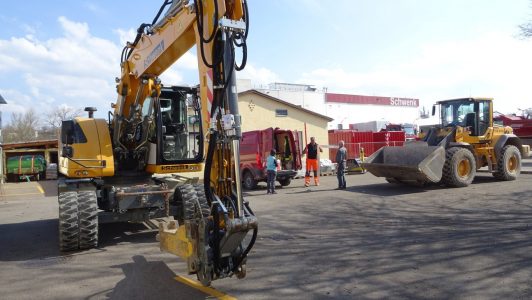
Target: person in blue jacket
(271, 169)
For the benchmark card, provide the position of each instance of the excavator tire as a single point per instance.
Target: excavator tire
(202, 200)
(192, 199)
(68, 221)
(508, 164)
(460, 168)
(88, 219)
(182, 193)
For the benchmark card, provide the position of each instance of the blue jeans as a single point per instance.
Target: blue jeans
(340, 174)
(271, 180)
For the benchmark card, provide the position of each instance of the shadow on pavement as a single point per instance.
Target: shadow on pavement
(114, 233)
(431, 249)
(29, 240)
(38, 240)
(150, 280)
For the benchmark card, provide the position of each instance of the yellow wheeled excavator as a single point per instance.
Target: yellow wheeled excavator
(107, 167)
(451, 153)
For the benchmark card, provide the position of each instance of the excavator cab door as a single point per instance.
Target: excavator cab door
(178, 119)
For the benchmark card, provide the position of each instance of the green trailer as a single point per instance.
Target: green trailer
(25, 166)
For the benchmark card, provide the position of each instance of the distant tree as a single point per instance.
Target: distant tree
(526, 28)
(22, 128)
(63, 112)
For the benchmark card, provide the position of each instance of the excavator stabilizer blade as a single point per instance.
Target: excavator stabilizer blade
(173, 239)
(415, 161)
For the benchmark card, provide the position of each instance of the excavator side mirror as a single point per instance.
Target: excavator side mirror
(67, 151)
(433, 110)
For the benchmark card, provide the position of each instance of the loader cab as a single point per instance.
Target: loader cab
(474, 114)
(179, 132)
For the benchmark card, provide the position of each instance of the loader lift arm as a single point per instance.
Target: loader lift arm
(215, 219)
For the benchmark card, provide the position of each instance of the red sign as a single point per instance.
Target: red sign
(371, 100)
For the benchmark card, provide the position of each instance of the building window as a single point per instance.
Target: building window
(281, 112)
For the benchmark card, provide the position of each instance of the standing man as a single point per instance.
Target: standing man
(341, 164)
(271, 170)
(312, 161)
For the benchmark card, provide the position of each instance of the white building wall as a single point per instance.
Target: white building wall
(342, 113)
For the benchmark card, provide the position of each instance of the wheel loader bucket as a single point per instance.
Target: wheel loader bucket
(415, 161)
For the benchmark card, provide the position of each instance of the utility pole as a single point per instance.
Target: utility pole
(2, 101)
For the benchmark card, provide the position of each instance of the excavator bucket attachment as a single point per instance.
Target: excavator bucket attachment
(414, 162)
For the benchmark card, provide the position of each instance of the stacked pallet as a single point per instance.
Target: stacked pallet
(51, 171)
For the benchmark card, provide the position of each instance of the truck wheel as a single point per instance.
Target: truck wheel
(88, 219)
(249, 182)
(68, 221)
(508, 163)
(285, 182)
(460, 167)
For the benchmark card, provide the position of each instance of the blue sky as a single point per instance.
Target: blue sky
(55, 53)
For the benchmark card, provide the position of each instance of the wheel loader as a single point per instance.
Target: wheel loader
(450, 153)
(129, 168)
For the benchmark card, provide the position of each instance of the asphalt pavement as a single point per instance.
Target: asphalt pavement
(374, 240)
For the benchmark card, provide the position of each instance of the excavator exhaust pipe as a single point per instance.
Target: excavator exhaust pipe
(414, 162)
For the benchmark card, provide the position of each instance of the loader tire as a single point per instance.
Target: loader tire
(68, 221)
(88, 219)
(460, 167)
(508, 164)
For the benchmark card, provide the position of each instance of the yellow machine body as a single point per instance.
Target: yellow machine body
(91, 150)
(452, 152)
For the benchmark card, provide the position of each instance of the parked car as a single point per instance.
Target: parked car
(255, 147)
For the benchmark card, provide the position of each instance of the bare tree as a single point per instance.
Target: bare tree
(23, 127)
(56, 116)
(526, 28)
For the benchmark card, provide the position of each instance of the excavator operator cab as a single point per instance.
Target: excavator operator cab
(179, 126)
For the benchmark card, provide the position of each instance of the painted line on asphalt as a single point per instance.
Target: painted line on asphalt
(23, 194)
(40, 189)
(207, 290)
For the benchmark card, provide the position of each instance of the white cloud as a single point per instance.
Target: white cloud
(76, 68)
(493, 65)
(258, 75)
(126, 35)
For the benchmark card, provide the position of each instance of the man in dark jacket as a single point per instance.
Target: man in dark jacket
(341, 161)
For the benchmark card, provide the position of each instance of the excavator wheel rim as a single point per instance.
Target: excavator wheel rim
(512, 164)
(464, 168)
